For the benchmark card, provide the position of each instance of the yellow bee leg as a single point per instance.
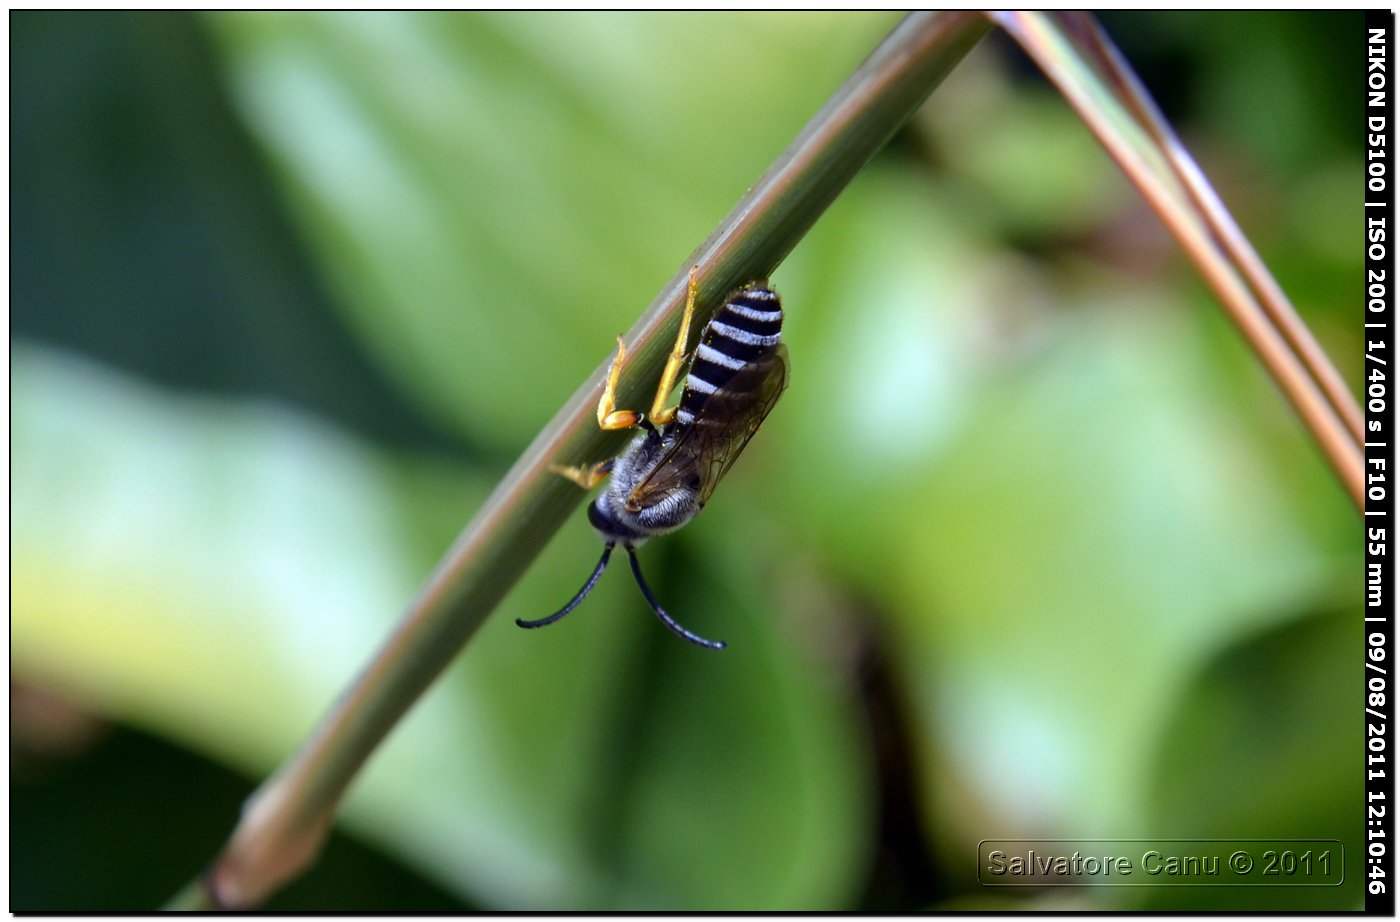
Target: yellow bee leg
(608, 416)
(660, 413)
(586, 476)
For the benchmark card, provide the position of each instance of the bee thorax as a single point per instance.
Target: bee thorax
(620, 513)
(737, 372)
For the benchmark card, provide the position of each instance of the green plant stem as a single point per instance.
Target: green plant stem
(286, 820)
(193, 896)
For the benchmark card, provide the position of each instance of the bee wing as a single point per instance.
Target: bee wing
(722, 427)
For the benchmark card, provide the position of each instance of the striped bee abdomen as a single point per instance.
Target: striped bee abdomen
(748, 328)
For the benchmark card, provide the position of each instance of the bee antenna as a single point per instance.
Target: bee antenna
(661, 612)
(582, 593)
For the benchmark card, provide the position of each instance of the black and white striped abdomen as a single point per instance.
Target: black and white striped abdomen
(747, 328)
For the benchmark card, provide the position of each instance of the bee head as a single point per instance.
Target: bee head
(598, 519)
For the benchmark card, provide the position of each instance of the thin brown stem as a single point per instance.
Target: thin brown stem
(1266, 289)
(1082, 63)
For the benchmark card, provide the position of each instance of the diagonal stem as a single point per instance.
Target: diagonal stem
(1075, 54)
(286, 820)
(1231, 239)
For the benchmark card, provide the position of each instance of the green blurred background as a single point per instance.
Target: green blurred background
(1031, 547)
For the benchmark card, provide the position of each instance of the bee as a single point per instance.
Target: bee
(666, 475)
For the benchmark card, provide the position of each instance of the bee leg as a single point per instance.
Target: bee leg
(660, 413)
(608, 416)
(585, 475)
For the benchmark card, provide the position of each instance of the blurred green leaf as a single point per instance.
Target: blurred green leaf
(1263, 744)
(452, 173)
(248, 560)
(1059, 517)
(170, 552)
